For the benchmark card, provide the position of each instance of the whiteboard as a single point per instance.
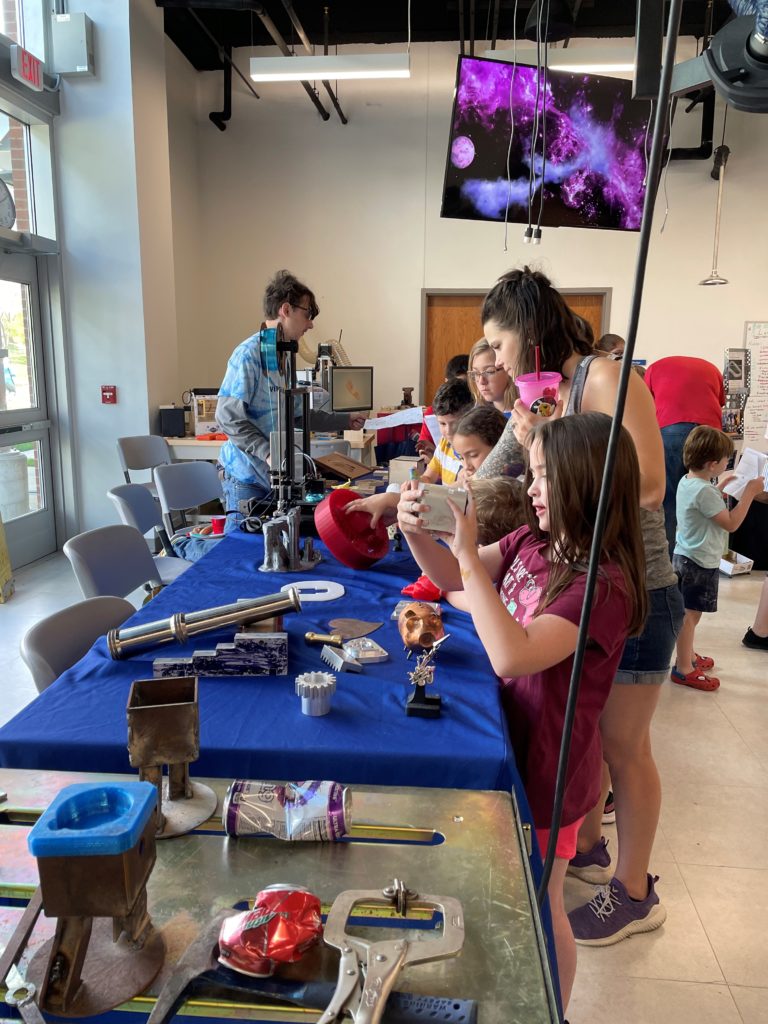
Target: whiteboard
(756, 409)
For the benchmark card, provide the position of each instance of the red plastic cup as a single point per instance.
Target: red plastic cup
(217, 524)
(540, 392)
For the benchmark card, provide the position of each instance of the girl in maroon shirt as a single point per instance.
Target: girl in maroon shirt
(525, 595)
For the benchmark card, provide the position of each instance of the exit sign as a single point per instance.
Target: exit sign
(26, 68)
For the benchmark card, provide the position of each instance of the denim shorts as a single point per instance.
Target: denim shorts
(646, 658)
(699, 585)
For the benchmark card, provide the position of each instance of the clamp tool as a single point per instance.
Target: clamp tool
(199, 971)
(21, 993)
(368, 970)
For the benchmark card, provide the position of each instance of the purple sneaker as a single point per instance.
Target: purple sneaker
(594, 866)
(612, 915)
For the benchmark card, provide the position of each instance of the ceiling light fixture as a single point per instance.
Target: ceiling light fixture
(336, 67)
(587, 59)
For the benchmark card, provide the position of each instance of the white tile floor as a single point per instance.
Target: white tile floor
(708, 963)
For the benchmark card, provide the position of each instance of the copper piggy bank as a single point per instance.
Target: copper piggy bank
(420, 625)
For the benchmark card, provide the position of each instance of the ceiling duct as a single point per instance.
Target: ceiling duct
(261, 13)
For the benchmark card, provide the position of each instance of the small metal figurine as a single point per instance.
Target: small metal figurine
(421, 703)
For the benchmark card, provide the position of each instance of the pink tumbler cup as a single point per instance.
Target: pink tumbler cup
(540, 392)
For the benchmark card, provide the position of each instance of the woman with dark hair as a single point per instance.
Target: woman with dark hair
(521, 313)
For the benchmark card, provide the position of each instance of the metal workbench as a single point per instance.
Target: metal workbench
(458, 843)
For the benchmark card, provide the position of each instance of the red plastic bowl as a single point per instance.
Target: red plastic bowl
(349, 536)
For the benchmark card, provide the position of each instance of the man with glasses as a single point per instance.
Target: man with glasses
(246, 410)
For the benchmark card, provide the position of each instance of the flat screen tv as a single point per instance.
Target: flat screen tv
(595, 148)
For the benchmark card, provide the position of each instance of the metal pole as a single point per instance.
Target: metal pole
(654, 166)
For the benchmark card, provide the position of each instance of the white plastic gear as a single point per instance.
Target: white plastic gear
(315, 690)
(314, 682)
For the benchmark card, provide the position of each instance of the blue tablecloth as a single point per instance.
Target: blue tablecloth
(253, 727)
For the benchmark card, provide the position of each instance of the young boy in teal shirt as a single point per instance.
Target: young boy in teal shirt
(703, 524)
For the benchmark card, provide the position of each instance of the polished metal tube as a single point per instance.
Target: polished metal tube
(181, 626)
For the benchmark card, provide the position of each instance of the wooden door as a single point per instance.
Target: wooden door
(453, 326)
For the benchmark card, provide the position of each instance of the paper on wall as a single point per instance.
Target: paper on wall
(396, 419)
(751, 464)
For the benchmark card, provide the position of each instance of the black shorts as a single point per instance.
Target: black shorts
(699, 585)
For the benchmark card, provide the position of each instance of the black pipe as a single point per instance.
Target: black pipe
(704, 150)
(310, 50)
(220, 117)
(654, 167)
(471, 28)
(496, 4)
(224, 56)
(461, 27)
(260, 12)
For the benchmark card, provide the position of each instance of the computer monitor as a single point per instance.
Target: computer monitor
(351, 388)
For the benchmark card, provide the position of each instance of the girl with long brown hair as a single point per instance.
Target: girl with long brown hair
(525, 595)
(521, 313)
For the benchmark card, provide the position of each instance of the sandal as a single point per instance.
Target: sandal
(702, 663)
(696, 679)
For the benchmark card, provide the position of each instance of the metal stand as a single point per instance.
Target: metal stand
(283, 551)
(91, 966)
(282, 548)
(164, 729)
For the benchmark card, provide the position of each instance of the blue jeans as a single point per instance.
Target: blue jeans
(673, 437)
(646, 658)
(236, 491)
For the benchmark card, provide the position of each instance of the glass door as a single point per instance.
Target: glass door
(26, 493)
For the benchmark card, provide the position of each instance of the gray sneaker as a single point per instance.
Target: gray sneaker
(594, 866)
(612, 915)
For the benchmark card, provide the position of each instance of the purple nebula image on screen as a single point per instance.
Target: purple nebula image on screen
(588, 167)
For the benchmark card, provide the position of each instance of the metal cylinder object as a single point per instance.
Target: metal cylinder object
(181, 626)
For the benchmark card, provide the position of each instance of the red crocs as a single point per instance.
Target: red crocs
(702, 663)
(696, 679)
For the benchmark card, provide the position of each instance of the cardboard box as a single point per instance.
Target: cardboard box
(733, 564)
(400, 468)
(440, 518)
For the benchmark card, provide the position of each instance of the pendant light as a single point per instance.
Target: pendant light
(721, 159)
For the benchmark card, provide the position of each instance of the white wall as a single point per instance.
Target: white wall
(101, 258)
(183, 145)
(355, 210)
(117, 254)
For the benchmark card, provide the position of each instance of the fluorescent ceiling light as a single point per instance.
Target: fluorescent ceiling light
(591, 60)
(335, 67)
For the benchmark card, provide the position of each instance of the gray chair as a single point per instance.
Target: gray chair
(55, 643)
(185, 485)
(137, 508)
(112, 561)
(144, 451)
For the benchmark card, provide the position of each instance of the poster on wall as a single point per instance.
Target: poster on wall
(756, 408)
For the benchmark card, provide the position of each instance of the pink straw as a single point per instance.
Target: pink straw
(537, 352)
